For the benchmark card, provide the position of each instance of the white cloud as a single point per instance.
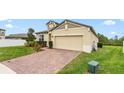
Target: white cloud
(121, 19)
(9, 20)
(109, 22)
(9, 26)
(3, 19)
(113, 33)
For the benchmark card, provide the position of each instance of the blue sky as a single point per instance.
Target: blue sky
(108, 27)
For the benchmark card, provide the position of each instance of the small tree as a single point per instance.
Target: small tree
(123, 46)
(31, 36)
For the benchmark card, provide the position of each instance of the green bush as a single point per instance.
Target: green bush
(37, 47)
(42, 43)
(30, 43)
(50, 44)
(99, 45)
(26, 44)
(45, 43)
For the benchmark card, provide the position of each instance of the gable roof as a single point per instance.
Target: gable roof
(46, 31)
(52, 21)
(91, 28)
(2, 30)
(58, 24)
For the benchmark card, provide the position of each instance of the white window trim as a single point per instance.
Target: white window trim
(66, 26)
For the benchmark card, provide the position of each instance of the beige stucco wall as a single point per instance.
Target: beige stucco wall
(88, 40)
(46, 37)
(70, 31)
(87, 37)
(67, 32)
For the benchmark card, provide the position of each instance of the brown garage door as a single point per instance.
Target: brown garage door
(69, 42)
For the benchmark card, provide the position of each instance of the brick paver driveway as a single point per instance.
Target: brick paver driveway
(47, 61)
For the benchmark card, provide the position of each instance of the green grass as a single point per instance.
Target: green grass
(110, 58)
(7, 53)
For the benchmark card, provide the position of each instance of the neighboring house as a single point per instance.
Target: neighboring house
(17, 36)
(70, 35)
(2, 33)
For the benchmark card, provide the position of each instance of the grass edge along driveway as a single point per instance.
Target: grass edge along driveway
(110, 58)
(7, 53)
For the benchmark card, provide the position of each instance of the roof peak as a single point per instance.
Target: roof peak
(78, 24)
(52, 21)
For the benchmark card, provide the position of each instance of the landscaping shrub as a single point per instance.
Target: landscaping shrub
(26, 44)
(30, 43)
(39, 42)
(99, 45)
(45, 43)
(117, 44)
(37, 47)
(42, 43)
(50, 44)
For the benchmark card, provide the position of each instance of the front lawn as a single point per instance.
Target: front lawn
(111, 60)
(7, 53)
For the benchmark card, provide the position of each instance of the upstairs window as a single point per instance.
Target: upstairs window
(2, 33)
(66, 26)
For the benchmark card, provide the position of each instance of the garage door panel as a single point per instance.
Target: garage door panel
(69, 42)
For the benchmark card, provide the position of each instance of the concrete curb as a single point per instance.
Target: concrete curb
(5, 70)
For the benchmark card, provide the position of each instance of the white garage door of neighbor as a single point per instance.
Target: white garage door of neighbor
(69, 42)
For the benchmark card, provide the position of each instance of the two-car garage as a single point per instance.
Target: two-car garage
(72, 42)
(73, 36)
